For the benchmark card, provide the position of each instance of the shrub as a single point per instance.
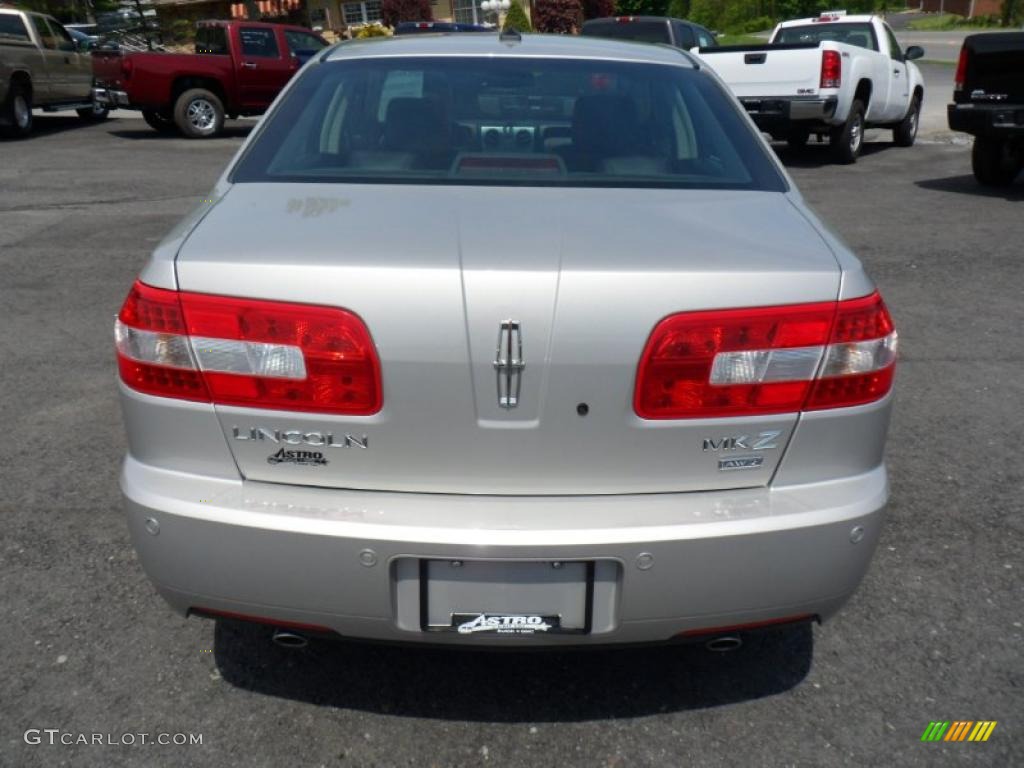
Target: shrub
(394, 11)
(559, 16)
(370, 30)
(517, 19)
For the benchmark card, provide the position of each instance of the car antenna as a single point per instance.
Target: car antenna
(510, 35)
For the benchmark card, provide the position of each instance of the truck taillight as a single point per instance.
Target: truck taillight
(247, 352)
(750, 362)
(831, 69)
(127, 66)
(961, 70)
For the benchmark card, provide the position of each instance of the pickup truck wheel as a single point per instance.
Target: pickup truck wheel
(848, 139)
(19, 112)
(158, 121)
(93, 114)
(994, 162)
(199, 114)
(903, 135)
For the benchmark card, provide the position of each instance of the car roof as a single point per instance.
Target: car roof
(635, 18)
(535, 46)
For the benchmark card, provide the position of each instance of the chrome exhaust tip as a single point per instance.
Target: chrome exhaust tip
(724, 644)
(290, 640)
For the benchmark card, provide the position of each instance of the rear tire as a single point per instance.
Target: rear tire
(158, 121)
(199, 113)
(848, 139)
(904, 134)
(994, 161)
(18, 112)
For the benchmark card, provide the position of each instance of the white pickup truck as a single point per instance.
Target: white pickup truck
(833, 75)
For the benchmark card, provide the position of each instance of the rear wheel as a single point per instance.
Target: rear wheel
(199, 114)
(18, 112)
(848, 139)
(158, 121)
(995, 162)
(905, 133)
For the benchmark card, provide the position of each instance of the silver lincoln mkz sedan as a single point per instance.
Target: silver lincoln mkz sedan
(489, 340)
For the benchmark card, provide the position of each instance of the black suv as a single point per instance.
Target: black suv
(988, 102)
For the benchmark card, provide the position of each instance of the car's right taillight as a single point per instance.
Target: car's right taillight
(961, 70)
(247, 352)
(831, 69)
(766, 360)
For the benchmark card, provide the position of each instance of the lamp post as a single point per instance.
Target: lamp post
(495, 6)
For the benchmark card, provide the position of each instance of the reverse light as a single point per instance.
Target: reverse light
(247, 352)
(747, 362)
(831, 69)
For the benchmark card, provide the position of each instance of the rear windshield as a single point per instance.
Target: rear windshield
(640, 31)
(861, 34)
(508, 121)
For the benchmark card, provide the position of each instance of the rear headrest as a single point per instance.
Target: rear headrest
(416, 125)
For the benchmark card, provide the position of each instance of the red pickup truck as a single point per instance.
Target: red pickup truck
(237, 69)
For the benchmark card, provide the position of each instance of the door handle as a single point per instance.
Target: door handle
(249, 64)
(896, 72)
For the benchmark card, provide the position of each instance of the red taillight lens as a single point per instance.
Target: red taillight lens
(746, 362)
(961, 70)
(860, 359)
(127, 67)
(831, 69)
(246, 352)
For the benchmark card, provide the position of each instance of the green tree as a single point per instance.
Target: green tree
(679, 9)
(517, 19)
(641, 7)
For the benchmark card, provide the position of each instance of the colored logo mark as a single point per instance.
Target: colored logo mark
(959, 730)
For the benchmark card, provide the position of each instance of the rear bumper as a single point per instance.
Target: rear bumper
(772, 113)
(348, 561)
(110, 98)
(987, 119)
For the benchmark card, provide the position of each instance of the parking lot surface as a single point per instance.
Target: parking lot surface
(88, 648)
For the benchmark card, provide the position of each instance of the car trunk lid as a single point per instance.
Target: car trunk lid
(463, 278)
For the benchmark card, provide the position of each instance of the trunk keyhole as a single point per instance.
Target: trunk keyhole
(582, 409)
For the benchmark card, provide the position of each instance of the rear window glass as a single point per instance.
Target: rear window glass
(13, 28)
(639, 31)
(508, 121)
(258, 42)
(861, 35)
(212, 40)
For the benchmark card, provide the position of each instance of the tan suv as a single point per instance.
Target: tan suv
(41, 66)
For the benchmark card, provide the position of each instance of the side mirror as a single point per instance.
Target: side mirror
(913, 52)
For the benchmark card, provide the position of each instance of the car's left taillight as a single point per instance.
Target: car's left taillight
(247, 352)
(831, 69)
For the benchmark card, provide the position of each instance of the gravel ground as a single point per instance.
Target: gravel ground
(934, 633)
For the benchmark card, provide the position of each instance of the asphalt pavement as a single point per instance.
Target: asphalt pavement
(935, 632)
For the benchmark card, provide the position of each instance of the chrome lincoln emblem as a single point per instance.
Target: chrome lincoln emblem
(509, 363)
